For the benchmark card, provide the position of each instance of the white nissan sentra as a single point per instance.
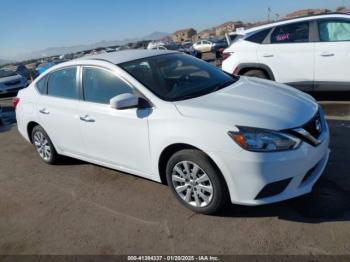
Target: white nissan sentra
(169, 117)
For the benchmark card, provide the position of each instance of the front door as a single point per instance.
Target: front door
(116, 137)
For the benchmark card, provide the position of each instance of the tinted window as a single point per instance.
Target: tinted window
(258, 37)
(177, 76)
(334, 31)
(100, 85)
(41, 85)
(292, 33)
(62, 83)
(5, 73)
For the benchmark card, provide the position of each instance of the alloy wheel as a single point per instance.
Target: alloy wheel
(192, 184)
(42, 146)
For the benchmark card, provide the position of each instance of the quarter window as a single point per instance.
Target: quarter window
(101, 85)
(259, 37)
(63, 83)
(41, 85)
(332, 31)
(292, 33)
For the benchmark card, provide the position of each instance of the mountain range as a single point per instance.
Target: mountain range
(52, 51)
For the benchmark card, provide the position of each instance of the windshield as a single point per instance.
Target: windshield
(5, 73)
(174, 77)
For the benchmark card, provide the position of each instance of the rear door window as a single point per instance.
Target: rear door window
(333, 30)
(291, 33)
(63, 83)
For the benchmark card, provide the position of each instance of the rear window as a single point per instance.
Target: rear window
(291, 33)
(259, 37)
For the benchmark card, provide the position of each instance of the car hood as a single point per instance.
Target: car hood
(253, 102)
(10, 78)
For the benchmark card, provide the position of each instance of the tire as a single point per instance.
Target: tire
(44, 146)
(256, 73)
(196, 195)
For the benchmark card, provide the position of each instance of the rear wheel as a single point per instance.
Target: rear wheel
(256, 73)
(196, 182)
(44, 146)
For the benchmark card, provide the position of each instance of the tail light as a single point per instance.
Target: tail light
(226, 55)
(15, 102)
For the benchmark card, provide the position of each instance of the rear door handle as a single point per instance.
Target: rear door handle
(326, 54)
(44, 111)
(87, 118)
(268, 55)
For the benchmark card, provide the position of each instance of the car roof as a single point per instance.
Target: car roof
(128, 55)
(296, 19)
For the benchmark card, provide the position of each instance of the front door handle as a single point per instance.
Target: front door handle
(87, 118)
(268, 55)
(326, 54)
(44, 111)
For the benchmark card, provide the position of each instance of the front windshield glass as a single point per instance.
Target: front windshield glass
(5, 73)
(174, 77)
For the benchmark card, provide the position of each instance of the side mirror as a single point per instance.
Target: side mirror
(124, 101)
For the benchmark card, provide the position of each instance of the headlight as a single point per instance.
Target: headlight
(262, 140)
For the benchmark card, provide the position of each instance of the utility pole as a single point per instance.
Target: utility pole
(268, 13)
(277, 16)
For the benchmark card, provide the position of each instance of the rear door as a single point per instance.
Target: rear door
(58, 109)
(332, 55)
(289, 53)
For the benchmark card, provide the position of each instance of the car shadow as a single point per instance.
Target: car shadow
(330, 197)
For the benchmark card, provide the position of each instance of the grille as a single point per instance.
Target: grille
(314, 126)
(311, 131)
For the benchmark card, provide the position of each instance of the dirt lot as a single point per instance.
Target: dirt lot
(80, 208)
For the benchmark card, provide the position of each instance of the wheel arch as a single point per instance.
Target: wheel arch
(30, 127)
(245, 67)
(176, 147)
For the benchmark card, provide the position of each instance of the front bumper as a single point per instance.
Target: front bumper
(256, 178)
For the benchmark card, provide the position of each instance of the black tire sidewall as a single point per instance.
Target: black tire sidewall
(220, 195)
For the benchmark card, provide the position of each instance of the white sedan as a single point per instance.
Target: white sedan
(172, 118)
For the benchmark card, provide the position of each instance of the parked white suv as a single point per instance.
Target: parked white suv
(310, 53)
(173, 118)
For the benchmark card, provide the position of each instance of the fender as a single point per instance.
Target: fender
(264, 67)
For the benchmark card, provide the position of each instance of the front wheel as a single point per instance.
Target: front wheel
(196, 182)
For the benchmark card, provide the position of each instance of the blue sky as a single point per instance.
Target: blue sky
(37, 24)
